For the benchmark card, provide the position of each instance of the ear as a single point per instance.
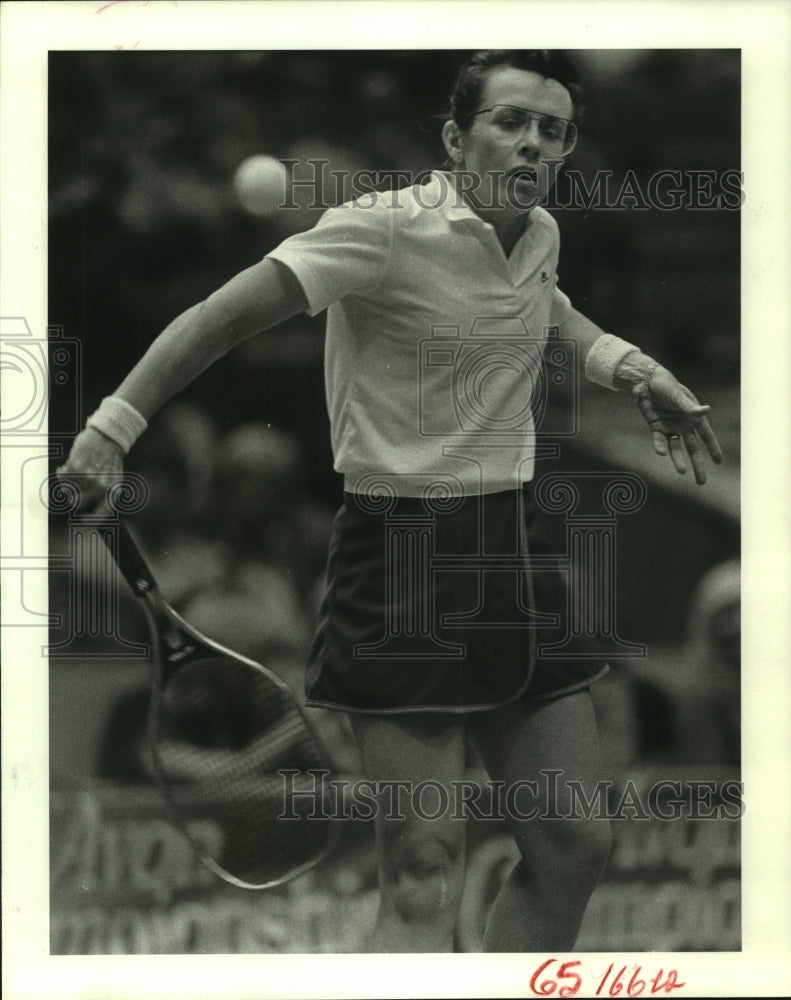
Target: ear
(453, 141)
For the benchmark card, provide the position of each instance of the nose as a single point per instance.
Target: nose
(530, 136)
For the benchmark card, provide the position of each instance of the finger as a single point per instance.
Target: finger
(678, 398)
(696, 456)
(660, 442)
(688, 392)
(691, 397)
(89, 496)
(688, 403)
(678, 454)
(709, 438)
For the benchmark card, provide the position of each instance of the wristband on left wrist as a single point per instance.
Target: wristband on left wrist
(605, 358)
(644, 387)
(634, 374)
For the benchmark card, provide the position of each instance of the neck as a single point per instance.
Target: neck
(508, 232)
(508, 224)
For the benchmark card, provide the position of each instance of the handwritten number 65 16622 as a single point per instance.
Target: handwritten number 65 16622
(567, 980)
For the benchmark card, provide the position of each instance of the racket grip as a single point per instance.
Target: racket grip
(132, 564)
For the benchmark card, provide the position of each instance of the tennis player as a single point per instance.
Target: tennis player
(439, 298)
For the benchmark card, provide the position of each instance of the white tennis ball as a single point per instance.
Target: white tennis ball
(260, 184)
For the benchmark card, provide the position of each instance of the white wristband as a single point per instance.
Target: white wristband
(604, 357)
(119, 421)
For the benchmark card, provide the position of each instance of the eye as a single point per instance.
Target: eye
(507, 119)
(551, 129)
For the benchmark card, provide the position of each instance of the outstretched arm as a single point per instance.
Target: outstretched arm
(255, 300)
(678, 422)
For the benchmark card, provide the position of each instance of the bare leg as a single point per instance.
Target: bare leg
(421, 860)
(541, 904)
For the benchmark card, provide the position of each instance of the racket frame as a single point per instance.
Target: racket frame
(174, 642)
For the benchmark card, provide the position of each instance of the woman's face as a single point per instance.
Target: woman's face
(513, 167)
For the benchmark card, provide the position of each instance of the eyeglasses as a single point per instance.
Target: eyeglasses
(510, 122)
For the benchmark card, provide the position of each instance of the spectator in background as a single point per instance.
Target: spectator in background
(702, 679)
(681, 705)
(176, 463)
(262, 508)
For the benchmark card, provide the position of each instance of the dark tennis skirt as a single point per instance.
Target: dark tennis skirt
(451, 605)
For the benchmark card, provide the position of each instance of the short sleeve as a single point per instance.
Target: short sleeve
(346, 252)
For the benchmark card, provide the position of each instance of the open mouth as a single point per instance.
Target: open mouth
(523, 174)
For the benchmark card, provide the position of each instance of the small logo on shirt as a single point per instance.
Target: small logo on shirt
(544, 277)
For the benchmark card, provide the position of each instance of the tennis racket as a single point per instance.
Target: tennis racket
(243, 772)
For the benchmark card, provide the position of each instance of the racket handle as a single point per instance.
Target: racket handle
(132, 564)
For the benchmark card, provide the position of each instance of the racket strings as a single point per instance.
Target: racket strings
(231, 744)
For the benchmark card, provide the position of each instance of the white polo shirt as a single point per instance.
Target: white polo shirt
(435, 338)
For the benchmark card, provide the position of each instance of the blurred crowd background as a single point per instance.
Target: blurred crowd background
(144, 222)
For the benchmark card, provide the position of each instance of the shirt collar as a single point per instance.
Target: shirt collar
(441, 190)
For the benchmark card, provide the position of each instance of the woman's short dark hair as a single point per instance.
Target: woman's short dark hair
(552, 64)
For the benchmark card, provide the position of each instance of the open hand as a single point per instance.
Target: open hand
(678, 422)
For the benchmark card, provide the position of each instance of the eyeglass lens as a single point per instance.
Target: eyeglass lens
(555, 131)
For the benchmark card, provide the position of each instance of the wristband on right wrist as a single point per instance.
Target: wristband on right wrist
(119, 421)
